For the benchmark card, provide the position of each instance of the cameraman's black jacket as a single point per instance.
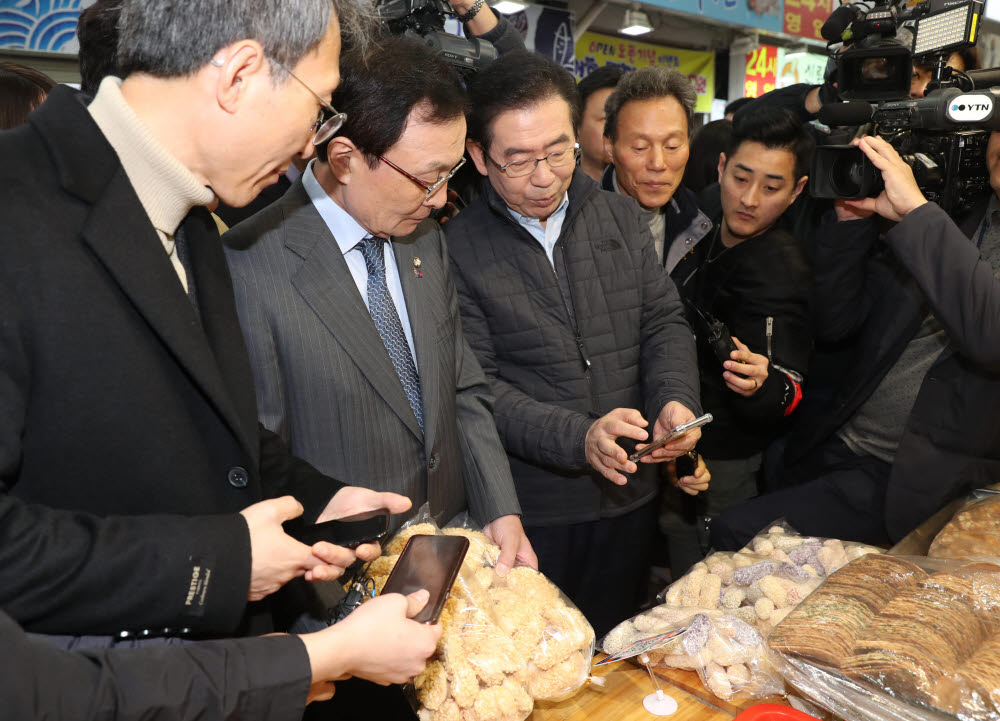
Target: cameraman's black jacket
(532, 327)
(763, 277)
(880, 296)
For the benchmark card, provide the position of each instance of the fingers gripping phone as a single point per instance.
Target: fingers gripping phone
(430, 562)
(349, 532)
(675, 432)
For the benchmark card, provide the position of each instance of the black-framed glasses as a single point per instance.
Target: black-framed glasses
(323, 128)
(520, 168)
(429, 188)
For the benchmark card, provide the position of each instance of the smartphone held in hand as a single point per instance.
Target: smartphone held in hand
(430, 562)
(675, 432)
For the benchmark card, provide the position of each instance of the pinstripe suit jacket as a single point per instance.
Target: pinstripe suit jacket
(326, 384)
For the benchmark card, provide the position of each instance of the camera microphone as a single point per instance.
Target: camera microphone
(984, 79)
(838, 22)
(853, 112)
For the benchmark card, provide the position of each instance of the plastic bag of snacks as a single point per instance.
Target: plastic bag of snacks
(728, 654)
(763, 582)
(476, 671)
(551, 635)
(973, 532)
(506, 641)
(898, 638)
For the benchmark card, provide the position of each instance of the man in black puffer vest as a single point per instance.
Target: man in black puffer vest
(580, 331)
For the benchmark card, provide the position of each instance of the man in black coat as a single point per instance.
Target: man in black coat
(579, 331)
(915, 425)
(130, 455)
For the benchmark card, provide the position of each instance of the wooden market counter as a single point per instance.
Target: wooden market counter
(621, 700)
(627, 685)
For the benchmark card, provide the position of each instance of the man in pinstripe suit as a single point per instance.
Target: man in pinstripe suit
(409, 412)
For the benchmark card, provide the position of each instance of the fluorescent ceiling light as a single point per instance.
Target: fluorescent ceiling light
(636, 23)
(508, 7)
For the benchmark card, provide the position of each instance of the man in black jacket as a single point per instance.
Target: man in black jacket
(579, 330)
(751, 276)
(915, 426)
(133, 467)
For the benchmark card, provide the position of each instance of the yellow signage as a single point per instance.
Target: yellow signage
(594, 51)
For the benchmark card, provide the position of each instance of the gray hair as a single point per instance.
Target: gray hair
(648, 84)
(174, 38)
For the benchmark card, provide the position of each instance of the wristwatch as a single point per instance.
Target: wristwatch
(473, 11)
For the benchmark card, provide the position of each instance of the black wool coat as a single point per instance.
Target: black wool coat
(128, 427)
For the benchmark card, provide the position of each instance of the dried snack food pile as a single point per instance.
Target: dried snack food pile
(739, 598)
(506, 642)
(973, 532)
(931, 639)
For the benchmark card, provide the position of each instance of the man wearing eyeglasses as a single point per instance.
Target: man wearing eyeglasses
(347, 304)
(579, 330)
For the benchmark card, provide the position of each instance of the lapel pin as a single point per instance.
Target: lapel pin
(416, 268)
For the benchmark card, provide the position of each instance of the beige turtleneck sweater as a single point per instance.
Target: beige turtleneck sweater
(166, 189)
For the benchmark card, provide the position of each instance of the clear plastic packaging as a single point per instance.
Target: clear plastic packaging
(506, 642)
(973, 532)
(899, 639)
(762, 582)
(727, 653)
(550, 634)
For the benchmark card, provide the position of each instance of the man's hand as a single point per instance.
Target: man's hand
(691, 485)
(745, 363)
(901, 194)
(606, 456)
(351, 500)
(673, 414)
(377, 642)
(515, 548)
(276, 558)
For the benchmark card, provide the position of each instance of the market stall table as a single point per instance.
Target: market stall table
(621, 700)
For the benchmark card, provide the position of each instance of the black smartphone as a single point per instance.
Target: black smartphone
(686, 464)
(349, 532)
(430, 562)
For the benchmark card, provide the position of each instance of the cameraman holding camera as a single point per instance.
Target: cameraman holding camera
(914, 425)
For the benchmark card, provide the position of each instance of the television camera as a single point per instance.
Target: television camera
(942, 136)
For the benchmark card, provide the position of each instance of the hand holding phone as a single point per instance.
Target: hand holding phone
(675, 432)
(349, 532)
(430, 562)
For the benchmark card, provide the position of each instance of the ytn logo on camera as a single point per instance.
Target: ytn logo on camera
(970, 108)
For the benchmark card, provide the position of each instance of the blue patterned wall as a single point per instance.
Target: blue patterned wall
(48, 25)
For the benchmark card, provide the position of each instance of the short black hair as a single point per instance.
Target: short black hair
(516, 81)
(736, 105)
(774, 127)
(380, 86)
(22, 89)
(703, 154)
(97, 32)
(604, 77)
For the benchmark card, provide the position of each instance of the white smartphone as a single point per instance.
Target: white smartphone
(675, 432)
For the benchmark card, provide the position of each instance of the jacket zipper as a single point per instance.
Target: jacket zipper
(769, 332)
(581, 348)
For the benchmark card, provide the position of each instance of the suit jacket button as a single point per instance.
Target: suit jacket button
(238, 477)
(432, 462)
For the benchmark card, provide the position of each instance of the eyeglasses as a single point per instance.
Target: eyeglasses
(324, 128)
(429, 188)
(520, 168)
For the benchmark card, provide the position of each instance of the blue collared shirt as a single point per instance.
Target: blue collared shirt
(549, 234)
(348, 233)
